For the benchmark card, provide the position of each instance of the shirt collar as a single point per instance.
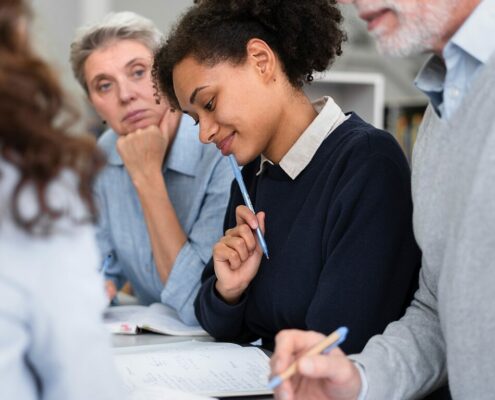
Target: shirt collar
(471, 36)
(184, 154)
(469, 40)
(431, 80)
(329, 117)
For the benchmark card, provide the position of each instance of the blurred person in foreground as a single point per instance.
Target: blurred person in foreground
(53, 344)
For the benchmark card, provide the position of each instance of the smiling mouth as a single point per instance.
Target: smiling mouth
(373, 18)
(225, 144)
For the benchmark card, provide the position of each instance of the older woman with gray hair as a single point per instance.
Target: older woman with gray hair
(162, 195)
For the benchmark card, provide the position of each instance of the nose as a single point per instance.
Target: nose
(126, 92)
(208, 128)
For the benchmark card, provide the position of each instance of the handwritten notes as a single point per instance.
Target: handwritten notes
(211, 369)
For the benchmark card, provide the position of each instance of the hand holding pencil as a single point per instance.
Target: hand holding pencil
(329, 376)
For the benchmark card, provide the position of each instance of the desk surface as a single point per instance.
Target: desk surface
(145, 339)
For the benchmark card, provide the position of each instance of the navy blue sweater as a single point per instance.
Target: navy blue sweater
(341, 244)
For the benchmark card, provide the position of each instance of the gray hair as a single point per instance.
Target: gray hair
(115, 26)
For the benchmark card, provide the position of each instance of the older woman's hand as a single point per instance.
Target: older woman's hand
(143, 150)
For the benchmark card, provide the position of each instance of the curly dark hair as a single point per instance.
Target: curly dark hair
(305, 34)
(33, 136)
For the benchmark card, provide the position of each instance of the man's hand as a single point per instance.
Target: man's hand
(331, 376)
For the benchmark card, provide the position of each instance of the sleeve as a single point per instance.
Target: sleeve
(73, 350)
(113, 270)
(220, 319)
(15, 377)
(414, 343)
(372, 260)
(56, 337)
(184, 280)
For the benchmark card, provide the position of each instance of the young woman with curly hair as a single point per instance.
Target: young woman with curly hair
(53, 344)
(332, 192)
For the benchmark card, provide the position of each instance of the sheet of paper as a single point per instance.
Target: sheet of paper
(210, 369)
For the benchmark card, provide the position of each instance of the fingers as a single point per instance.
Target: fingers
(334, 373)
(334, 366)
(291, 344)
(223, 253)
(111, 289)
(243, 232)
(243, 215)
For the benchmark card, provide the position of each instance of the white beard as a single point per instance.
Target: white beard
(422, 24)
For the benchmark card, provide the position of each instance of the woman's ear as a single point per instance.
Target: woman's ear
(262, 58)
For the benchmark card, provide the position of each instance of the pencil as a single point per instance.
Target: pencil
(325, 346)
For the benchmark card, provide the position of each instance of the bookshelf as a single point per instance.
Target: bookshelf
(403, 119)
(361, 92)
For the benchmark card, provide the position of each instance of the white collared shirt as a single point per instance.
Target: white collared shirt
(329, 118)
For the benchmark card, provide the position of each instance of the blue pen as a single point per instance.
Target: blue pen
(325, 346)
(104, 268)
(106, 263)
(238, 177)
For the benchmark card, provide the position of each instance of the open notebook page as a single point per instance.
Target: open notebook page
(157, 318)
(210, 369)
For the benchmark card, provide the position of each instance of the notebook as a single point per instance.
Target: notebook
(156, 317)
(199, 368)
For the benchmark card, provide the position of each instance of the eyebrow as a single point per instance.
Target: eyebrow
(105, 76)
(192, 99)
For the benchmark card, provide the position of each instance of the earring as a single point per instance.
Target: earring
(104, 122)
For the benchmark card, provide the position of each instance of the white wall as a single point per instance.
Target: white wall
(58, 19)
(56, 22)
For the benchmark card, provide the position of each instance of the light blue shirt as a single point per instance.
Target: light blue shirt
(446, 81)
(198, 182)
(53, 345)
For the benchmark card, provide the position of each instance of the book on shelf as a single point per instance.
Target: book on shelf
(157, 317)
(403, 121)
(199, 368)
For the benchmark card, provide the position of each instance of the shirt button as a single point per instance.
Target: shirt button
(454, 92)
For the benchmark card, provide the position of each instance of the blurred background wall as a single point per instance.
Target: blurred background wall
(57, 21)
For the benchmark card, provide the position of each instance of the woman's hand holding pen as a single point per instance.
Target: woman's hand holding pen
(237, 255)
(330, 376)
